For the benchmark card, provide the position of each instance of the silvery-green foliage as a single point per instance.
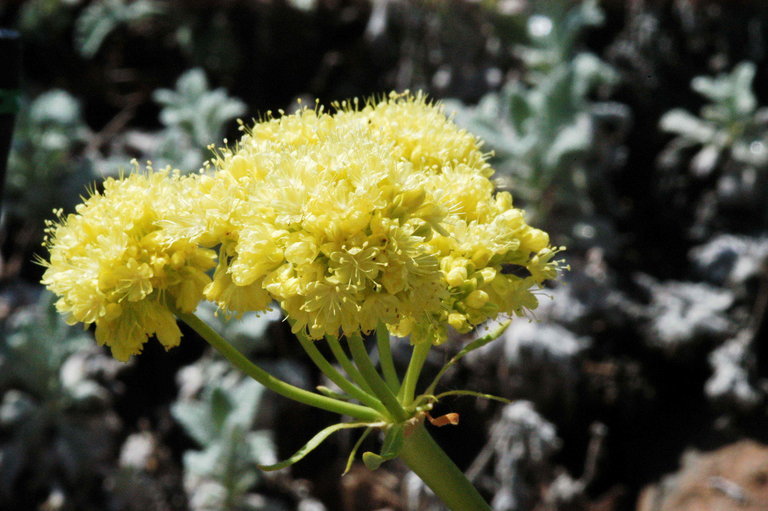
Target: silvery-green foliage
(30, 359)
(43, 167)
(195, 109)
(684, 314)
(733, 367)
(102, 17)
(542, 129)
(731, 261)
(194, 117)
(730, 127)
(736, 263)
(553, 31)
(545, 359)
(217, 408)
(536, 132)
(55, 418)
(520, 441)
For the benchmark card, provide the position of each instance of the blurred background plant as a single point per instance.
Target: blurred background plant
(544, 127)
(219, 416)
(99, 19)
(57, 427)
(49, 132)
(730, 137)
(45, 166)
(193, 118)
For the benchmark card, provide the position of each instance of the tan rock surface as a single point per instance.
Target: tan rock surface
(732, 478)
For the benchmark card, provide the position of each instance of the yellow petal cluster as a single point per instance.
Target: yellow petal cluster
(110, 265)
(382, 212)
(376, 213)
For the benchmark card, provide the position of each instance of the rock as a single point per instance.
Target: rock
(734, 477)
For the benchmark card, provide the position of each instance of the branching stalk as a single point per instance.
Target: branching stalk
(379, 386)
(385, 358)
(338, 378)
(418, 357)
(237, 359)
(346, 364)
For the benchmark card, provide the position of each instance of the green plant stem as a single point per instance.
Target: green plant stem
(418, 357)
(336, 377)
(379, 386)
(276, 385)
(422, 455)
(385, 358)
(346, 364)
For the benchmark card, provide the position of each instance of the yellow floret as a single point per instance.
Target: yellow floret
(377, 213)
(383, 212)
(110, 265)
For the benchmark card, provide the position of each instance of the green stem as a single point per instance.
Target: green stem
(285, 389)
(385, 358)
(379, 386)
(418, 357)
(336, 377)
(422, 455)
(346, 364)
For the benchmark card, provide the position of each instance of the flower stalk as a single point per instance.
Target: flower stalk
(346, 363)
(418, 358)
(407, 439)
(371, 375)
(428, 460)
(385, 358)
(336, 377)
(274, 384)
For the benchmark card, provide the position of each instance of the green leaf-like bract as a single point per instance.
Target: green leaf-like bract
(313, 443)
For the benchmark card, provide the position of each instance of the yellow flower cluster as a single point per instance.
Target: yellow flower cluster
(109, 265)
(382, 212)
